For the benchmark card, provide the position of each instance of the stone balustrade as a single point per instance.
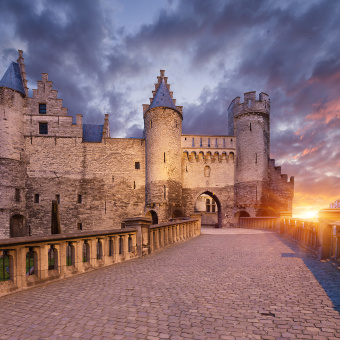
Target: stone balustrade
(28, 261)
(269, 223)
(322, 236)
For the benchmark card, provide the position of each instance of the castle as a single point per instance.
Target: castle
(59, 176)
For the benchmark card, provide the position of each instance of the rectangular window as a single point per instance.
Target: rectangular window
(43, 129)
(17, 195)
(57, 197)
(36, 198)
(42, 108)
(80, 199)
(80, 226)
(208, 142)
(137, 165)
(193, 142)
(216, 145)
(207, 205)
(200, 142)
(213, 206)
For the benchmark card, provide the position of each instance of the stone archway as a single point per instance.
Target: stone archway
(153, 215)
(18, 226)
(218, 206)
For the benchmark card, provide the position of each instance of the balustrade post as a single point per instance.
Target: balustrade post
(166, 236)
(21, 267)
(151, 246)
(43, 261)
(142, 224)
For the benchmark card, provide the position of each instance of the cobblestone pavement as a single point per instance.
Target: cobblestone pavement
(224, 284)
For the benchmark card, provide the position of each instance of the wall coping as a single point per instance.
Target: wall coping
(58, 237)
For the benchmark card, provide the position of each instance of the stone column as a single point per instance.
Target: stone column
(142, 224)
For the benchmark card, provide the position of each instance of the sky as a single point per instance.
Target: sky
(104, 57)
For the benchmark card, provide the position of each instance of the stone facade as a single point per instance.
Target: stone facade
(94, 181)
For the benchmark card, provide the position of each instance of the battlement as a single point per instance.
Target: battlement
(250, 104)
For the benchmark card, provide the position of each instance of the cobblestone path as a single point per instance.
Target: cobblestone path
(228, 284)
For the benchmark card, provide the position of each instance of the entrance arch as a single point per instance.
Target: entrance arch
(17, 226)
(217, 205)
(153, 215)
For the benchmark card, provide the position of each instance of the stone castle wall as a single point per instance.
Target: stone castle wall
(106, 178)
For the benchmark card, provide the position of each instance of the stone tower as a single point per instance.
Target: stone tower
(13, 96)
(163, 130)
(249, 122)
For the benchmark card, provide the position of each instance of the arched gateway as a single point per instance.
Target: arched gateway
(211, 205)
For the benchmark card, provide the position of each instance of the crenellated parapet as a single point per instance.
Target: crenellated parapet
(208, 157)
(249, 105)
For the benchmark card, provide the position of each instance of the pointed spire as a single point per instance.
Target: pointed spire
(12, 78)
(162, 97)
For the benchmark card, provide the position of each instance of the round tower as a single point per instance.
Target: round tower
(249, 122)
(13, 91)
(163, 131)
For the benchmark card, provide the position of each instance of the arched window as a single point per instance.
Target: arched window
(207, 171)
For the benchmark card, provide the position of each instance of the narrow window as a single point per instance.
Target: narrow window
(216, 145)
(36, 198)
(42, 108)
(249, 103)
(57, 197)
(250, 127)
(193, 142)
(17, 195)
(207, 205)
(186, 168)
(208, 142)
(80, 199)
(80, 226)
(224, 142)
(43, 129)
(164, 157)
(151, 123)
(213, 206)
(201, 142)
(164, 192)
(137, 165)
(231, 140)
(256, 158)
(113, 179)
(134, 184)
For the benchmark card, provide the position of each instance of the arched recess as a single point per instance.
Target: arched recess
(177, 213)
(153, 215)
(266, 212)
(241, 213)
(218, 206)
(18, 226)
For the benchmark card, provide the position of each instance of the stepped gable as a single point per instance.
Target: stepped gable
(162, 97)
(12, 78)
(92, 133)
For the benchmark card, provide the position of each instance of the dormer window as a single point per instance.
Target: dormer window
(42, 108)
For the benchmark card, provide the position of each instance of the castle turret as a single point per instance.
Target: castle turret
(13, 92)
(163, 130)
(249, 122)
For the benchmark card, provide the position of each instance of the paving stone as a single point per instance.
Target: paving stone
(225, 284)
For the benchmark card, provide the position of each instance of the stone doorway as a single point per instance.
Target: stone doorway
(153, 215)
(18, 226)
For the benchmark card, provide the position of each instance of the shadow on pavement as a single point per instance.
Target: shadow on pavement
(325, 273)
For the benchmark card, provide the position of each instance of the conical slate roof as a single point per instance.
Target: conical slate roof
(12, 78)
(162, 97)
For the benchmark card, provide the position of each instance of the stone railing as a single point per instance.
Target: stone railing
(269, 223)
(322, 236)
(28, 261)
(306, 232)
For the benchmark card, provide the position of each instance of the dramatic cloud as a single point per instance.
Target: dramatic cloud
(104, 57)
